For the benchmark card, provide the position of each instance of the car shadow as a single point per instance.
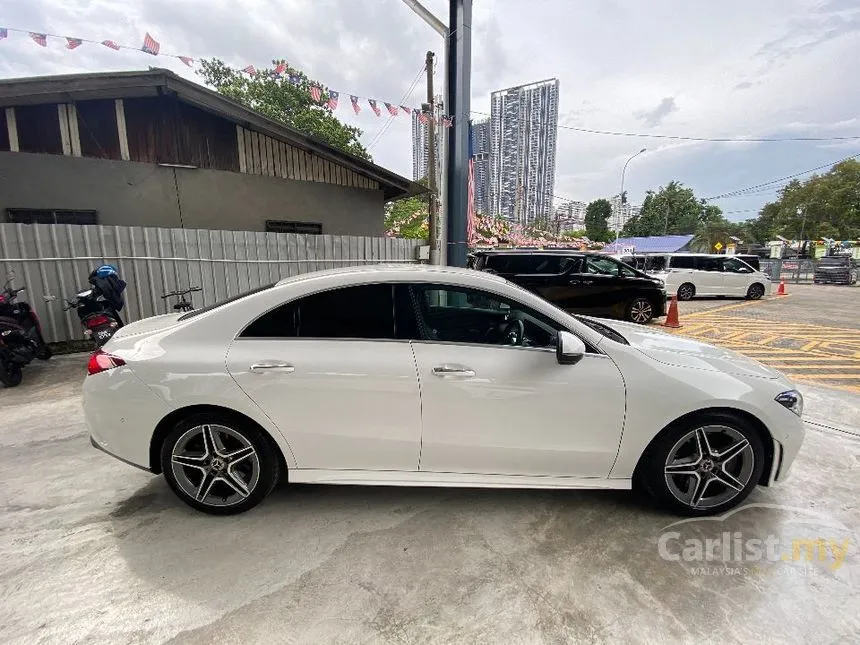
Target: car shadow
(213, 560)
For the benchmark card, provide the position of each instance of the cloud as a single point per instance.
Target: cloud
(654, 117)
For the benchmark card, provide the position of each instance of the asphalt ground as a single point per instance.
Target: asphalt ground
(811, 335)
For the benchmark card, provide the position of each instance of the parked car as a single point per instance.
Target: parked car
(699, 274)
(836, 269)
(581, 282)
(432, 376)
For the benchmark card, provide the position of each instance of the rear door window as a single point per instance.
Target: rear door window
(682, 262)
(709, 264)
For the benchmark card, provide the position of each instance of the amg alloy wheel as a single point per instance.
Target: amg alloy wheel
(705, 466)
(640, 311)
(219, 466)
(686, 291)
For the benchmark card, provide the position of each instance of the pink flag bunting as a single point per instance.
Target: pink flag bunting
(250, 69)
(280, 69)
(316, 94)
(374, 107)
(392, 110)
(355, 106)
(422, 116)
(332, 99)
(39, 39)
(73, 43)
(407, 110)
(447, 122)
(187, 60)
(150, 45)
(111, 44)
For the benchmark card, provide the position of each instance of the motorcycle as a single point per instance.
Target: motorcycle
(98, 307)
(24, 315)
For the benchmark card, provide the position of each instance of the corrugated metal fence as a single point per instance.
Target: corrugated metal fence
(54, 261)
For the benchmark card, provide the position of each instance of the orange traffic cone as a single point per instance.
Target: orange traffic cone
(672, 317)
(781, 290)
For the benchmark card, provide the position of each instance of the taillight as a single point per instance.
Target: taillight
(95, 321)
(101, 361)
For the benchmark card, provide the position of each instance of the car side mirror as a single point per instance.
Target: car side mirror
(569, 349)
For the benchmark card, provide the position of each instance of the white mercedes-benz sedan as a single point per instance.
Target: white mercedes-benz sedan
(432, 376)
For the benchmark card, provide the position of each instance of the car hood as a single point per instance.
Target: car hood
(148, 325)
(684, 352)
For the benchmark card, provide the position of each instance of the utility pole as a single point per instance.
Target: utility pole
(431, 165)
(666, 228)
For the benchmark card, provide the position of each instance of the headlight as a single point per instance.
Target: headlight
(793, 400)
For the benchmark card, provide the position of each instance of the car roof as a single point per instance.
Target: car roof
(417, 272)
(539, 252)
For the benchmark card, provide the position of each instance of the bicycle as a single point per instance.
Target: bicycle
(182, 304)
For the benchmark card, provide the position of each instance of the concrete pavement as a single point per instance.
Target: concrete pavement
(94, 551)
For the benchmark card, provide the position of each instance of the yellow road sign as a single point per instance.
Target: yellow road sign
(718, 245)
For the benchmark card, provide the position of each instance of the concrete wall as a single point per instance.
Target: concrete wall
(136, 194)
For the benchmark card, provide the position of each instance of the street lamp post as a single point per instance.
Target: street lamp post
(621, 195)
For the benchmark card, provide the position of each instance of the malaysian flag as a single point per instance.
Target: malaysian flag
(447, 122)
(332, 99)
(407, 110)
(374, 107)
(422, 116)
(3, 33)
(111, 44)
(250, 69)
(280, 69)
(187, 60)
(294, 79)
(392, 110)
(150, 45)
(316, 94)
(39, 39)
(355, 106)
(73, 43)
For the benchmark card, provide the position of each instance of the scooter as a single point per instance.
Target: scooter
(23, 314)
(98, 308)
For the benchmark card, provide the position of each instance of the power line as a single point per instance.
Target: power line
(382, 130)
(644, 135)
(752, 189)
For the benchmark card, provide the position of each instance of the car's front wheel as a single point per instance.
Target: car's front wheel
(755, 292)
(704, 466)
(640, 311)
(219, 464)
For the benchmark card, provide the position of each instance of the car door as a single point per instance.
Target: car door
(556, 278)
(604, 288)
(737, 277)
(337, 377)
(495, 408)
(708, 276)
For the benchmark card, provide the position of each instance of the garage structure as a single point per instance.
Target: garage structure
(153, 149)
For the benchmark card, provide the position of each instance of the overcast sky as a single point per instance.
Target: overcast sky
(734, 68)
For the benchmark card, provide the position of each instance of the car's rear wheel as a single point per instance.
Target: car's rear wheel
(686, 291)
(219, 464)
(704, 466)
(640, 311)
(755, 291)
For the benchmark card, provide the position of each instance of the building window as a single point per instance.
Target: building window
(39, 128)
(97, 128)
(283, 226)
(49, 216)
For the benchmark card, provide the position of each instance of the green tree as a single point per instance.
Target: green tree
(825, 205)
(409, 218)
(596, 220)
(672, 210)
(283, 101)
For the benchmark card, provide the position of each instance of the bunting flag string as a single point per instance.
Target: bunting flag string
(324, 96)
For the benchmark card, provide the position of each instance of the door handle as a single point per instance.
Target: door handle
(452, 371)
(259, 368)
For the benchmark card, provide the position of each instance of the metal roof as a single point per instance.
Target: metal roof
(654, 244)
(36, 90)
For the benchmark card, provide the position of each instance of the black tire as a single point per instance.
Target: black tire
(640, 311)
(260, 474)
(686, 291)
(43, 352)
(667, 488)
(755, 292)
(11, 374)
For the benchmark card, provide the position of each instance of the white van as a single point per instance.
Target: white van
(699, 274)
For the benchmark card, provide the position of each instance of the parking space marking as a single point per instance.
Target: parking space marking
(829, 356)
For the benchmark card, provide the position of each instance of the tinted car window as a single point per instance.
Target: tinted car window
(834, 262)
(364, 311)
(527, 264)
(655, 263)
(682, 262)
(709, 264)
(733, 265)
